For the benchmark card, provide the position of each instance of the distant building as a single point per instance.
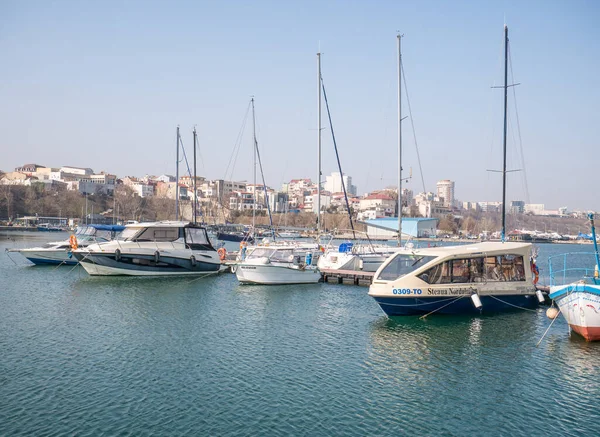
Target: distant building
(333, 184)
(77, 171)
(445, 191)
(534, 208)
(28, 169)
(517, 207)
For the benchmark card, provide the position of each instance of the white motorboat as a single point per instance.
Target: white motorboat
(579, 300)
(60, 252)
(153, 249)
(279, 263)
(470, 279)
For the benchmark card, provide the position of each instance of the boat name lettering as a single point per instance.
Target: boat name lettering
(407, 291)
(455, 291)
(248, 268)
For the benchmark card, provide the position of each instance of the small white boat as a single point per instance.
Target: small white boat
(578, 301)
(360, 255)
(153, 249)
(288, 234)
(470, 279)
(60, 252)
(279, 263)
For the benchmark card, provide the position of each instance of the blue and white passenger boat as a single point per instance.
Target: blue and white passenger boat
(478, 278)
(579, 300)
(163, 248)
(60, 252)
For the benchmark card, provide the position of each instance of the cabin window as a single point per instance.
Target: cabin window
(196, 236)
(457, 271)
(504, 268)
(401, 265)
(158, 234)
(283, 256)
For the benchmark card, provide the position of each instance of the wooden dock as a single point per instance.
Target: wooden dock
(351, 277)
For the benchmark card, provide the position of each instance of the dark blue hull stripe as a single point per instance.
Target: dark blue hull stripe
(39, 261)
(418, 306)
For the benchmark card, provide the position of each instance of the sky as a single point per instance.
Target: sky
(105, 84)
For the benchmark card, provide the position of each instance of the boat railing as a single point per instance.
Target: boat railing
(566, 267)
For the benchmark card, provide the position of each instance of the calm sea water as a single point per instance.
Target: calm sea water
(82, 356)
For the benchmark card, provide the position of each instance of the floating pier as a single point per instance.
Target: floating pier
(351, 277)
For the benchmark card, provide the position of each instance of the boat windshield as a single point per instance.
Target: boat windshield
(402, 265)
(261, 252)
(128, 233)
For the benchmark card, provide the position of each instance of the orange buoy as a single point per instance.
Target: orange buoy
(73, 242)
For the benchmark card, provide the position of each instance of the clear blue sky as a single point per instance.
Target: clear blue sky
(104, 85)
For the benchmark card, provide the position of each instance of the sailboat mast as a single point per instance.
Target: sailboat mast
(254, 148)
(319, 144)
(399, 141)
(177, 178)
(504, 139)
(195, 209)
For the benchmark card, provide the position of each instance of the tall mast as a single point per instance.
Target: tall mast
(319, 145)
(254, 148)
(399, 141)
(177, 178)
(195, 209)
(504, 139)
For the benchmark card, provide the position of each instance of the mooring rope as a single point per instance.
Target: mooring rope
(442, 307)
(548, 329)
(512, 305)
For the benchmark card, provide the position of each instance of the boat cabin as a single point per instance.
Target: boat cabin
(193, 236)
(478, 263)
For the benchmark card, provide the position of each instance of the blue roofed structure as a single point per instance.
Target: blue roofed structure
(415, 227)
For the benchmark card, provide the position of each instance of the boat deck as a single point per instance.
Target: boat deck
(350, 277)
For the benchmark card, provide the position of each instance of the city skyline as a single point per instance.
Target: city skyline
(106, 85)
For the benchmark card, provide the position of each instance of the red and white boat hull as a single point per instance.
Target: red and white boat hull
(580, 305)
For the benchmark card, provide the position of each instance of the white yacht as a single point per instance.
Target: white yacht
(153, 249)
(367, 257)
(60, 252)
(470, 279)
(279, 263)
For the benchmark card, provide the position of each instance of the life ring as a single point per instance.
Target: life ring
(222, 253)
(73, 242)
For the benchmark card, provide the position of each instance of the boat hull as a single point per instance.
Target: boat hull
(223, 236)
(452, 305)
(102, 264)
(579, 304)
(276, 275)
(48, 256)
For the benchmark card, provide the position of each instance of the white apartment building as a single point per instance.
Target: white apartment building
(333, 184)
(445, 191)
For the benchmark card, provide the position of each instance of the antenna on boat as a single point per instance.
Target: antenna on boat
(591, 217)
(319, 142)
(504, 171)
(195, 209)
(177, 178)
(262, 173)
(399, 36)
(254, 165)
